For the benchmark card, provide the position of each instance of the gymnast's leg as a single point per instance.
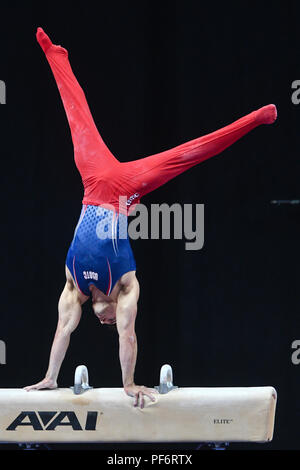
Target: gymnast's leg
(91, 154)
(146, 174)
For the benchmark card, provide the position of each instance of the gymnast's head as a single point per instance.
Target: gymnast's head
(103, 307)
(107, 316)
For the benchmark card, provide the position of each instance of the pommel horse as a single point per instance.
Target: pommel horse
(82, 414)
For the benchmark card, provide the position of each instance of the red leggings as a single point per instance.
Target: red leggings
(105, 179)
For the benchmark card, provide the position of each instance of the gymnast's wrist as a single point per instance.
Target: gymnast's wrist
(128, 385)
(51, 377)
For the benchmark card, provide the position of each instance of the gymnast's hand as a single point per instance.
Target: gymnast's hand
(139, 391)
(45, 383)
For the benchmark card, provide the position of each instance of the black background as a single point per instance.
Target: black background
(157, 74)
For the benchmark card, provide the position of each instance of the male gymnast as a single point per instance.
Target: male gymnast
(100, 264)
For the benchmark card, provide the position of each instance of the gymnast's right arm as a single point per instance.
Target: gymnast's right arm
(69, 314)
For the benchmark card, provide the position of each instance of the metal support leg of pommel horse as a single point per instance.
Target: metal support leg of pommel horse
(82, 414)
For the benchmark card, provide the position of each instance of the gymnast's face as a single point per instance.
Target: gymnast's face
(106, 313)
(104, 308)
(106, 319)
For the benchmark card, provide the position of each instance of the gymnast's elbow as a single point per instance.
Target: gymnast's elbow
(126, 327)
(65, 329)
(127, 336)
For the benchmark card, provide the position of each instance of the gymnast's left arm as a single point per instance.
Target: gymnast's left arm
(126, 314)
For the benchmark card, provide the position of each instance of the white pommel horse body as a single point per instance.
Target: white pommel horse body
(179, 414)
